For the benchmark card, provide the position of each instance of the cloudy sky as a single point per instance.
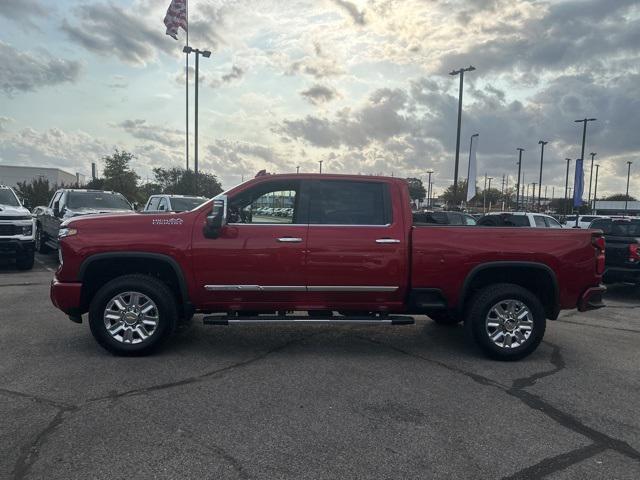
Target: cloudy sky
(361, 84)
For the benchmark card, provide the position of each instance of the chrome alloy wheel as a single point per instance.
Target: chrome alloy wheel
(131, 317)
(509, 323)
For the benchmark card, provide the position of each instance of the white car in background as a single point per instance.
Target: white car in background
(519, 219)
(583, 220)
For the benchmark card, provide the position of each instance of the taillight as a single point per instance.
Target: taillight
(634, 252)
(598, 242)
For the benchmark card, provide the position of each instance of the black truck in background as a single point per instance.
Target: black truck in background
(622, 255)
(67, 203)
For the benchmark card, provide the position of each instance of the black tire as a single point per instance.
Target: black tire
(479, 308)
(24, 261)
(151, 287)
(444, 318)
(40, 240)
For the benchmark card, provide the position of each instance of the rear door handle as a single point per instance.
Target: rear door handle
(387, 240)
(289, 239)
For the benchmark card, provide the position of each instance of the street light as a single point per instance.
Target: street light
(320, 162)
(460, 72)
(206, 54)
(542, 144)
(520, 150)
(298, 169)
(566, 187)
(626, 198)
(590, 177)
(595, 190)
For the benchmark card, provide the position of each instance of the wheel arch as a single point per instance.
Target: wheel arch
(100, 268)
(536, 277)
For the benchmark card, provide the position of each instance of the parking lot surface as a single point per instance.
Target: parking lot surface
(319, 402)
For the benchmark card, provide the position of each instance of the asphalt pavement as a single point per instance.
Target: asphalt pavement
(315, 402)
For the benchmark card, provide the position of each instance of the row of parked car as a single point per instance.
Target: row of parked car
(274, 212)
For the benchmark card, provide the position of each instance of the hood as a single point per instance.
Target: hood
(12, 211)
(76, 212)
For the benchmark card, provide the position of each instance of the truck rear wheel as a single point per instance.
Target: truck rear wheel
(506, 321)
(133, 315)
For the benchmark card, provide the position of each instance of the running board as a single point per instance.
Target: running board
(289, 319)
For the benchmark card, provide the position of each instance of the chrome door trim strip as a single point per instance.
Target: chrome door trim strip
(299, 288)
(351, 288)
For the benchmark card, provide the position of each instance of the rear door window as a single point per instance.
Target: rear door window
(338, 202)
(552, 222)
(539, 219)
(455, 219)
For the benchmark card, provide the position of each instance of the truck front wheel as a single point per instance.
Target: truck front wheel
(133, 315)
(506, 321)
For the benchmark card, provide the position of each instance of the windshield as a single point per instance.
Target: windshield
(97, 200)
(8, 198)
(184, 204)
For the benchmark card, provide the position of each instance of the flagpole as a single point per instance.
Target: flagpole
(187, 91)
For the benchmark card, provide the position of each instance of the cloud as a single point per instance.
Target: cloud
(28, 72)
(140, 129)
(4, 121)
(235, 73)
(317, 94)
(352, 10)
(23, 11)
(110, 30)
(118, 82)
(318, 65)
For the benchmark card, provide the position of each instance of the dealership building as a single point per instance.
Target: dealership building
(11, 175)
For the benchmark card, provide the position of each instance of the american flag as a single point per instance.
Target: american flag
(176, 17)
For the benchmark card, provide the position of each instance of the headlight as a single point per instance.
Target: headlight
(66, 232)
(27, 230)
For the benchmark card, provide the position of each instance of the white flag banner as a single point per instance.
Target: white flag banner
(176, 17)
(473, 171)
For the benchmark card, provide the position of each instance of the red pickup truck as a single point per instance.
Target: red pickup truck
(319, 248)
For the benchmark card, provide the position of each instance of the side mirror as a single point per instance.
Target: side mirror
(216, 220)
(135, 206)
(56, 208)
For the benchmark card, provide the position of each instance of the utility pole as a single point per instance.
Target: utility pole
(469, 165)
(320, 162)
(520, 150)
(429, 189)
(460, 72)
(542, 144)
(590, 177)
(595, 191)
(298, 169)
(626, 198)
(566, 187)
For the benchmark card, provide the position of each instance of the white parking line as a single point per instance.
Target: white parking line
(45, 265)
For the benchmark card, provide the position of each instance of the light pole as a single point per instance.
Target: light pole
(429, 189)
(566, 187)
(542, 144)
(460, 72)
(469, 166)
(590, 177)
(298, 169)
(520, 150)
(206, 54)
(595, 190)
(626, 198)
(320, 162)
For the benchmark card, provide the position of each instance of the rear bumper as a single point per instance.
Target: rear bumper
(622, 274)
(591, 299)
(66, 296)
(15, 246)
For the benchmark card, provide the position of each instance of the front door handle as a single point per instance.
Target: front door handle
(289, 239)
(387, 240)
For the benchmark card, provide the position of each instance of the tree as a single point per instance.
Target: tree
(37, 192)
(119, 177)
(620, 197)
(461, 194)
(416, 189)
(179, 181)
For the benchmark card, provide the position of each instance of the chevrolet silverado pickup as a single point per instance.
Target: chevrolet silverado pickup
(16, 229)
(350, 253)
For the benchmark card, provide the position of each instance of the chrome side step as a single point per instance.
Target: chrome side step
(291, 319)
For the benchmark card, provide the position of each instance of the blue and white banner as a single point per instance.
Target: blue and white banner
(578, 184)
